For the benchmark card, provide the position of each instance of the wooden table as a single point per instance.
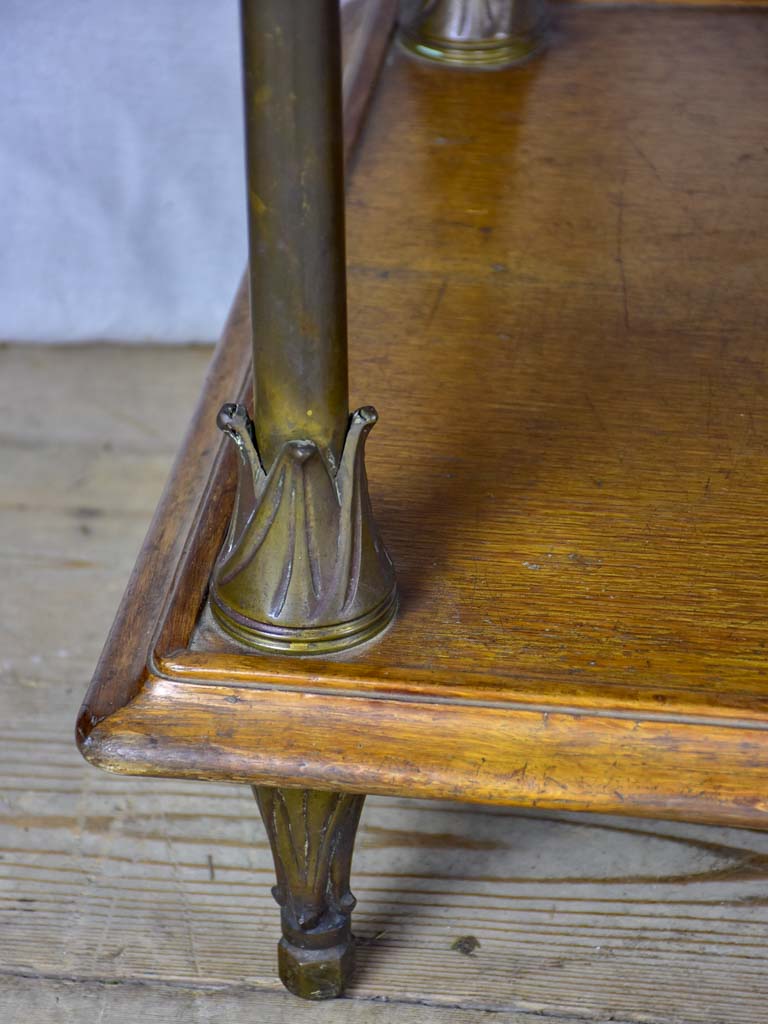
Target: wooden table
(557, 280)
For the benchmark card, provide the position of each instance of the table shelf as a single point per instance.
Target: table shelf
(557, 304)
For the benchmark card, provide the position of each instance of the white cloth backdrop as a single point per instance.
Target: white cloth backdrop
(121, 169)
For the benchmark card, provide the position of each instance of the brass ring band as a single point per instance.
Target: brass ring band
(477, 54)
(337, 636)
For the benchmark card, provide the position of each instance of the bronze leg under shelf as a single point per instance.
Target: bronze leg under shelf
(312, 835)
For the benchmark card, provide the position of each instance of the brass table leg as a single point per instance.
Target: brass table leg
(303, 569)
(474, 33)
(312, 834)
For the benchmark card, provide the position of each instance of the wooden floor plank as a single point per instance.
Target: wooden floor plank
(154, 894)
(60, 1002)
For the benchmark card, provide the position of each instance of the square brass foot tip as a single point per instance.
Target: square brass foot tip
(315, 974)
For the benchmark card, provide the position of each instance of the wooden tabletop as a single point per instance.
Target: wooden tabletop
(557, 278)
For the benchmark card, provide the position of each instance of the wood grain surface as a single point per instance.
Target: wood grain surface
(125, 899)
(556, 300)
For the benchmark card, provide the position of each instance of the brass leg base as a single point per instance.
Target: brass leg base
(315, 974)
(303, 569)
(481, 57)
(476, 34)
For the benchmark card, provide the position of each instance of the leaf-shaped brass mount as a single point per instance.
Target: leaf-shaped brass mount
(303, 569)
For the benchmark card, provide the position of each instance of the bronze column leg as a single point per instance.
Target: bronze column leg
(303, 569)
(295, 160)
(312, 835)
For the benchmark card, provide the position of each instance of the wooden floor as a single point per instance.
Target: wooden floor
(124, 899)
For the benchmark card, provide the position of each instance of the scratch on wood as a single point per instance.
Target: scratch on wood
(646, 160)
(436, 304)
(620, 257)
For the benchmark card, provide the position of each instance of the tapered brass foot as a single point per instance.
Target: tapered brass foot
(479, 34)
(312, 835)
